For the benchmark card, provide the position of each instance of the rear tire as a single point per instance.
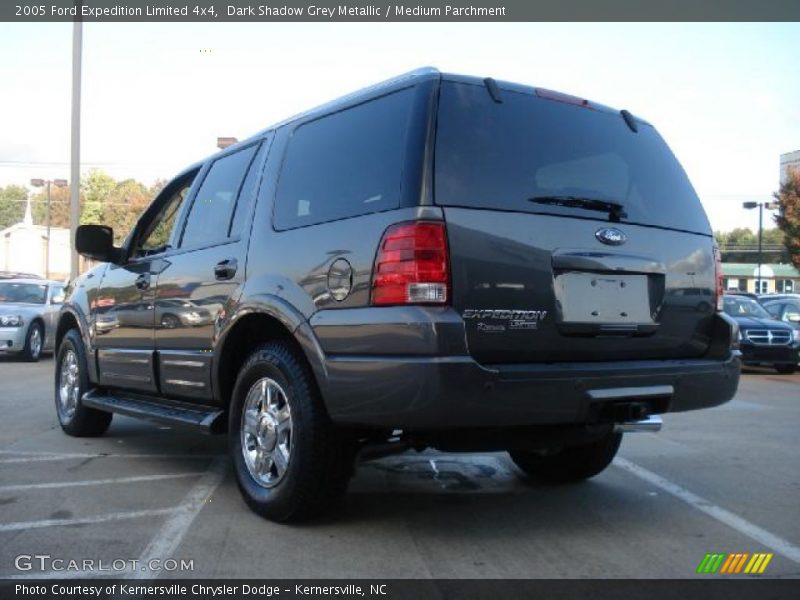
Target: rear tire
(569, 464)
(34, 342)
(71, 383)
(291, 462)
(786, 369)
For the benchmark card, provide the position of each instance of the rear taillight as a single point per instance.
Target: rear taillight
(412, 266)
(718, 277)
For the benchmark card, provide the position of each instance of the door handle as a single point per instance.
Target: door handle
(226, 269)
(143, 281)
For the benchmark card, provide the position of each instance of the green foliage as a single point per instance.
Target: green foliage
(788, 217)
(12, 204)
(740, 245)
(103, 200)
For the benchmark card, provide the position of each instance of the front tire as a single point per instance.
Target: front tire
(786, 369)
(34, 342)
(569, 464)
(71, 383)
(291, 462)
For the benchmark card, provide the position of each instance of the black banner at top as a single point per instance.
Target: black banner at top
(256, 11)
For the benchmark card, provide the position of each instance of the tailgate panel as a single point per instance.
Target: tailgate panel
(528, 286)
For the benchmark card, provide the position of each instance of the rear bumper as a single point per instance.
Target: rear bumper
(409, 368)
(457, 392)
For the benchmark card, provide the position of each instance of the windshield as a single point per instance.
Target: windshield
(22, 293)
(539, 155)
(744, 307)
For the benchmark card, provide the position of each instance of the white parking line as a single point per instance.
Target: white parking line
(85, 482)
(754, 532)
(49, 457)
(164, 543)
(136, 514)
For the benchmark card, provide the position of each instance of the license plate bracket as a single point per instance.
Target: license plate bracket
(603, 298)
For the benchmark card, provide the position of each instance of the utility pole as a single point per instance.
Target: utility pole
(760, 206)
(75, 151)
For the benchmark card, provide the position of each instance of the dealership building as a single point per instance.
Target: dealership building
(775, 278)
(790, 160)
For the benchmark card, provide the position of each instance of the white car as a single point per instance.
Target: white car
(28, 316)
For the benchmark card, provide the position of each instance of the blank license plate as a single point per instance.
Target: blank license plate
(600, 298)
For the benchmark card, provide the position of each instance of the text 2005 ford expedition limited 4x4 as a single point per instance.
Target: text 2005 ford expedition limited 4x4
(436, 261)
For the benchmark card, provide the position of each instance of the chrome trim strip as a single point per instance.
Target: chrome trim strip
(194, 364)
(185, 383)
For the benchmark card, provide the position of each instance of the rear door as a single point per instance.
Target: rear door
(574, 234)
(203, 271)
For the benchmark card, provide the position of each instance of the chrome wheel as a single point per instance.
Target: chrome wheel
(35, 341)
(266, 433)
(69, 385)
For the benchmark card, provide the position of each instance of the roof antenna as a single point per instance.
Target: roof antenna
(494, 91)
(630, 121)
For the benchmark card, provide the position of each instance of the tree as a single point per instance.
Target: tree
(96, 187)
(741, 245)
(12, 205)
(124, 205)
(788, 217)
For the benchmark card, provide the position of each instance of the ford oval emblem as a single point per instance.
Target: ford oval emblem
(611, 236)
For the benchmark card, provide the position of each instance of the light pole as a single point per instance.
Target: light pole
(760, 206)
(43, 183)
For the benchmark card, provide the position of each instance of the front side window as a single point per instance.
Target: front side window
(57, 294)
(210, 216)
(158, 233)
(345, 164)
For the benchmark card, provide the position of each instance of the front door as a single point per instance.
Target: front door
(124, 310)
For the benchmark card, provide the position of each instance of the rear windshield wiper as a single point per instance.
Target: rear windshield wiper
(615, 210)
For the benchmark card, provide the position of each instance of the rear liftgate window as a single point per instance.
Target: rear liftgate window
(345, 164)
(538, 154)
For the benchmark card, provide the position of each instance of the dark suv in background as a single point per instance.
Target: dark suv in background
(436, 261)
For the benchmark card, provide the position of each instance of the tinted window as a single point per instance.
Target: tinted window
(741, 306)
(249, 189)
(500, 155)
(345, 164)
(158, 233)
(210, 216)
(776, 309)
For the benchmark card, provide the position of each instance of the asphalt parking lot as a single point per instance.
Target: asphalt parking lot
(722, 480)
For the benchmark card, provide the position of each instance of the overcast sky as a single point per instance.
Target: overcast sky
(725, 96)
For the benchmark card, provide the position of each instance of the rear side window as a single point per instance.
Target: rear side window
(346, 164)
(503, 155)
(210, 216)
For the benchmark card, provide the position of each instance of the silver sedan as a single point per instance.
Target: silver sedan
(28, 315)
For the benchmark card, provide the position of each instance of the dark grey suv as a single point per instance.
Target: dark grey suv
(436, 261)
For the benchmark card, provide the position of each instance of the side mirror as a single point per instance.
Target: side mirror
(57, 299)
(97, 242)
(793, 317)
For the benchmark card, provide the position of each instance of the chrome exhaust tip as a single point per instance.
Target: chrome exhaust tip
(652, 424)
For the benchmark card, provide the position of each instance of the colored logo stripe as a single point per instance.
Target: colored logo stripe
(758, 563)
(734, 563)
(710, 563)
